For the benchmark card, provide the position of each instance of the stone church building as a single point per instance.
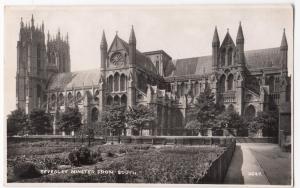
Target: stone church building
(246, 81)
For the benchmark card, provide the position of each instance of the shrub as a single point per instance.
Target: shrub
(84, 156)
(74, 157)
(110, 154)
(26, 170)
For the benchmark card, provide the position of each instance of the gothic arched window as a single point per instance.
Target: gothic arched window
(123, 82)
(116, 100)
(110, 83)
(230, 82)
(96, 95)
(124, 100)
(271, 84)
(70, 96)
(109, 100)
(250, 112)
(79, 97)
(222, 84)
(223, 53)
(95, 114)
(61, 99)
(229, 57)
(116, 82)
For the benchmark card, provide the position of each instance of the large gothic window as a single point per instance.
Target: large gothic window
(250, 112)
(230, 82)
(222, 84)
(124, 100)
(78, 97)
(70, 97)
(38, 60)
(61, 99)
(116, 82)
(95, 114)
(96, 96)
(223, 53)
(229, 57)
(123, 82)
(271, 84)
(109, 100)
(53, 100)
(116, 100)
(197, 88)
(110, 83)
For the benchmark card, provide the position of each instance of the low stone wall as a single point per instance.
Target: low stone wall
(256, 140)
(170, 140)
(218, 168)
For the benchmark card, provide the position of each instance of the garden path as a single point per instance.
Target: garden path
(244, 168)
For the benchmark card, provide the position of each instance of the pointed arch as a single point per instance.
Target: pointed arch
(230, 107)
(229, 56)
(60, 99)
(116, 81)
(222, 57)
(250, 112)
(230, 82)
(109, 100)
(197, 88)
(123, 82)
(222, 83)
(110, 83)
(96, 96)
(271, 84)
(95, 114)
(124, 100)
(70, 96)
(79, 97)
(116, 100)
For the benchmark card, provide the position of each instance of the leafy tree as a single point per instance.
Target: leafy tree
(114, 119)
(206, 110)
(229, 118)
(39, 122)
(266, 121)
(17, 121)
(194, 125)
(138, 116)
(70, 120)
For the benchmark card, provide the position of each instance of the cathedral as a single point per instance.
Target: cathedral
(246, 81)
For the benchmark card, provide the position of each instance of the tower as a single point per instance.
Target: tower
(132, 71)
(215, 49)
(283, 53)
(58, 52)
(31, 67)
(240, 45)
(102, 82)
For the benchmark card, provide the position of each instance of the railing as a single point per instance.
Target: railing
(228, 97)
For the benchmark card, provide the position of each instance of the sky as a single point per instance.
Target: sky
(181, 31)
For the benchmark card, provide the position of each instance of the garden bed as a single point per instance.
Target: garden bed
(134, 163)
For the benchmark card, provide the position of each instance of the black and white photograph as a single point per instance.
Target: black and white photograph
(148, 94)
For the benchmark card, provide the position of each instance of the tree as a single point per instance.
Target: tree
(137, 117)
(39, 122)
(17, 121)
(70, 120)
(206, 110)
(194, 125)
(114, 119)
(266, 121)
(229, 119)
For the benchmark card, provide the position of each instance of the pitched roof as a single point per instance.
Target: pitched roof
(142, 61)
(68, 80)
(255, 59)
(263, 58)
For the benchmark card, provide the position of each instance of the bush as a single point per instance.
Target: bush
(84, 156)
(26, 170)
(110, 154)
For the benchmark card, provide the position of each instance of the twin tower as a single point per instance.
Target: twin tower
(37, 62)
